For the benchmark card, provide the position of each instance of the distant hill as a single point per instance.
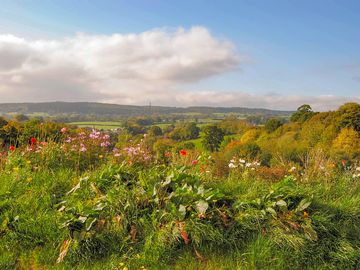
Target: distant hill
(110, 111)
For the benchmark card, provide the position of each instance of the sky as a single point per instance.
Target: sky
(271, 54)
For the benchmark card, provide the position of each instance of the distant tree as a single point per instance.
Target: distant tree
(272, 124)
(303, 113)
(155, 131)
(21, 118)
(134, 129)
(185, 131)
(213, 137)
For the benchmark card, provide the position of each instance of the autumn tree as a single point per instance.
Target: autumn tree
(348, 115)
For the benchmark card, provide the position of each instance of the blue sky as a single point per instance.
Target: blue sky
(286, 48)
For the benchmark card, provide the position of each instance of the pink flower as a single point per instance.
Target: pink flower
(82, 148)
(105, 144)
(63, 130)
(195, 162)
(166, 154)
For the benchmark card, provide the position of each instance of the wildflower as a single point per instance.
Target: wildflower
(116, 152)
(183, 152)
(12, 148)
(105, 144)
(202, 216)
(94, 134)
(232, 165)
(292, 169)
(194, 162)
(43, 143)
(106, 137)
(166, 154)
(357, 169)
(33, 141)
(82, 148)
(242, 161)
(63, 130)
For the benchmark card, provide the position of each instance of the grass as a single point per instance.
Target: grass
(32, 230)
(64, 208)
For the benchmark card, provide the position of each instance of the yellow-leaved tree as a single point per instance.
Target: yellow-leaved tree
(347, 144)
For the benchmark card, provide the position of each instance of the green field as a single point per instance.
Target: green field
(98, 125)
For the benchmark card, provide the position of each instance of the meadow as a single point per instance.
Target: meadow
(278, 196)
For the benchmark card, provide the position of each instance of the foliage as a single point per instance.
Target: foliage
(272, 124)
(213, 137)
(303, 113)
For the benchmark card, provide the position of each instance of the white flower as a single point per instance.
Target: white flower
(357, 169)
(232, 165)
(248, 165)
(242, 161)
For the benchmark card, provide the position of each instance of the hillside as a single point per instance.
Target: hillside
(100, 109)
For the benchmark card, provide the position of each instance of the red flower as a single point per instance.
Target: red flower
(183, 152)
(194, 162)
(33, 141)
(12, 148)
(166, 154)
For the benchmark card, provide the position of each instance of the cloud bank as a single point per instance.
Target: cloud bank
(156, 65)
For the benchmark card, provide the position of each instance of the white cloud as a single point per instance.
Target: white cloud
(119, 67)
(271, 101)
(155, 66)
